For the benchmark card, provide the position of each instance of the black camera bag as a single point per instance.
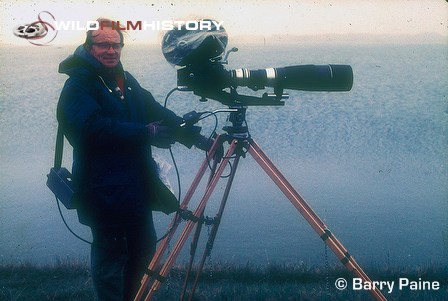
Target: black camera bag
(59, 180)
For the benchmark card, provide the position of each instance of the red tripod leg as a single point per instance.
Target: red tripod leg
(176, 220)
(196, 236)
(311, 217)
(190, 224)
(215, 226)
(193, 248)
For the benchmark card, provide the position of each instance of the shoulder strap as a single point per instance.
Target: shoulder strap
(59, 148)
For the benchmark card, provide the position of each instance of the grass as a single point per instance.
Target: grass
(71, 281)
(63, 281)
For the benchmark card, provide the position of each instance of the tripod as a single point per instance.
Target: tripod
(240, 143)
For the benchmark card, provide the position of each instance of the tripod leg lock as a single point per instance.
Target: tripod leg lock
(209, 221)
(189, 216)
(346, 259)
(327, 234)
(156, 276)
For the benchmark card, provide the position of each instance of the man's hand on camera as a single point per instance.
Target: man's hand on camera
(187, 135)
(160, 135)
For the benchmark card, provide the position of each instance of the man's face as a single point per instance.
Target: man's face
(106, 47)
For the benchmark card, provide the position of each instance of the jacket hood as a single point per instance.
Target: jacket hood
(82, 63)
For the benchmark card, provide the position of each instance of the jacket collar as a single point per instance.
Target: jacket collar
(81, 62)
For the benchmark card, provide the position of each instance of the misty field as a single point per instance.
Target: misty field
(71, 281)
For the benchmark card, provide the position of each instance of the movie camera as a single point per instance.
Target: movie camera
(197, 55)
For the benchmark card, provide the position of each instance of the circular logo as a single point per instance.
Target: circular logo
(40, 32)
(30, 31)
(340, 284)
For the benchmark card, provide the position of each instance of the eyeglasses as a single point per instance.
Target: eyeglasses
(106, 46)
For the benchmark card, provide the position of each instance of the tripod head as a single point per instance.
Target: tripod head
(238, 129)
(237, 116)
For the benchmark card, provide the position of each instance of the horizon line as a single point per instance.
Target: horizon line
(368, 38)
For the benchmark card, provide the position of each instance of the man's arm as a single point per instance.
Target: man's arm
(83, 121)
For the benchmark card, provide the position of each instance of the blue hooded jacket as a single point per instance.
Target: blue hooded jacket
(113, 169)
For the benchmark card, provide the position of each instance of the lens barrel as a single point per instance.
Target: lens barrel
(302, 77)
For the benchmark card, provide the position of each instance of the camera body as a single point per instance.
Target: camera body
(59, 180)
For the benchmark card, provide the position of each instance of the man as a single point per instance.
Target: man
(111, 122)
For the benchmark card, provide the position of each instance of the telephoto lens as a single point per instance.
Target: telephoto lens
(302, 77)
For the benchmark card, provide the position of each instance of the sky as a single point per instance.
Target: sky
(247, 18)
